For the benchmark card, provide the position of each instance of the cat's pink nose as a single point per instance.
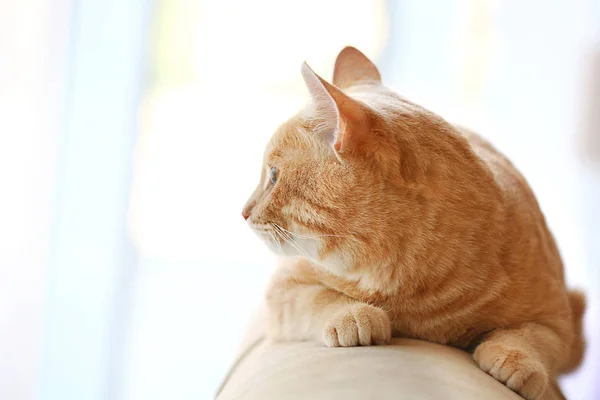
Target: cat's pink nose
(245, 214)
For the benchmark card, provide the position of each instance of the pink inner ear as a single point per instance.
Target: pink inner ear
(339, 135)
(354, 123)
(344, 118)
(325, 106)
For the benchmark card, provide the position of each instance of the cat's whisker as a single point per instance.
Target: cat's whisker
(276, 240)
(289, 239)
(274, 235)
(309, 236)
(295, 245)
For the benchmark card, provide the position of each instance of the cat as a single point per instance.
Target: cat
(393, 222)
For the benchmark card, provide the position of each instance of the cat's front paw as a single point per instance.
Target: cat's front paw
(357, 325)
(521, 372)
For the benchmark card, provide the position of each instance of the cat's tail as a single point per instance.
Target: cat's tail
(577, 301)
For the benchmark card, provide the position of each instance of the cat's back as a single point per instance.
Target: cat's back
(504, 171)
(524, 216)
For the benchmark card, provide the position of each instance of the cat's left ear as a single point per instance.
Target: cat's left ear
(352, 67)
(346, 120)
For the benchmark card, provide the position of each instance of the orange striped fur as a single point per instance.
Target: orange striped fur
(392, 221)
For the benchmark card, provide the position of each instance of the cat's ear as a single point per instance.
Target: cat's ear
(352, 67)
(344, 119)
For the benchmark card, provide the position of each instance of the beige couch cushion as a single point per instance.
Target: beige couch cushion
(407, 369)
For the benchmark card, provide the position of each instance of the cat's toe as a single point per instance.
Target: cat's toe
(519, 371)
(358, 325)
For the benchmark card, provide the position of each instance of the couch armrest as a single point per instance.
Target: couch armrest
(406, 369)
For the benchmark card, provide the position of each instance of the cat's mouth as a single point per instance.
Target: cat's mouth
(263, 231)
(261, 227)
(280, 240)
(286, 242)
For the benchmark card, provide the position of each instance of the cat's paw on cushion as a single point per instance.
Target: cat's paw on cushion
(358, 325)
(517, 370)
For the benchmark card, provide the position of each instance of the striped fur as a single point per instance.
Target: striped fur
(391, 220)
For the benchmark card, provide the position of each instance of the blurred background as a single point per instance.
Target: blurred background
(131, 134)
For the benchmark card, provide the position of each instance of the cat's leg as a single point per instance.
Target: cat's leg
(300, 308)
(523, 358)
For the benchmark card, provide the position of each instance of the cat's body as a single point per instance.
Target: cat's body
(408, 225)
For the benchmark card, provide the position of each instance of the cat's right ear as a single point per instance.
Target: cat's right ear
(344, 121)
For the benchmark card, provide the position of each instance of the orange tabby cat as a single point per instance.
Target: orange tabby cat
(397, 223)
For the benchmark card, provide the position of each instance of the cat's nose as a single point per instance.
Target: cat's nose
(248, 208)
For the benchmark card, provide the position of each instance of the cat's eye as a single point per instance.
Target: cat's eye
(273, 175)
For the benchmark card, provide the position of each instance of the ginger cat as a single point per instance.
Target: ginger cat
(396, 223)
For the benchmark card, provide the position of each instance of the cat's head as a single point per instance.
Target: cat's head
(334, 176)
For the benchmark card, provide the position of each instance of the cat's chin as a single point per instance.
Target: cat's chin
(276, 248)
(283, 249)
(285, 243)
